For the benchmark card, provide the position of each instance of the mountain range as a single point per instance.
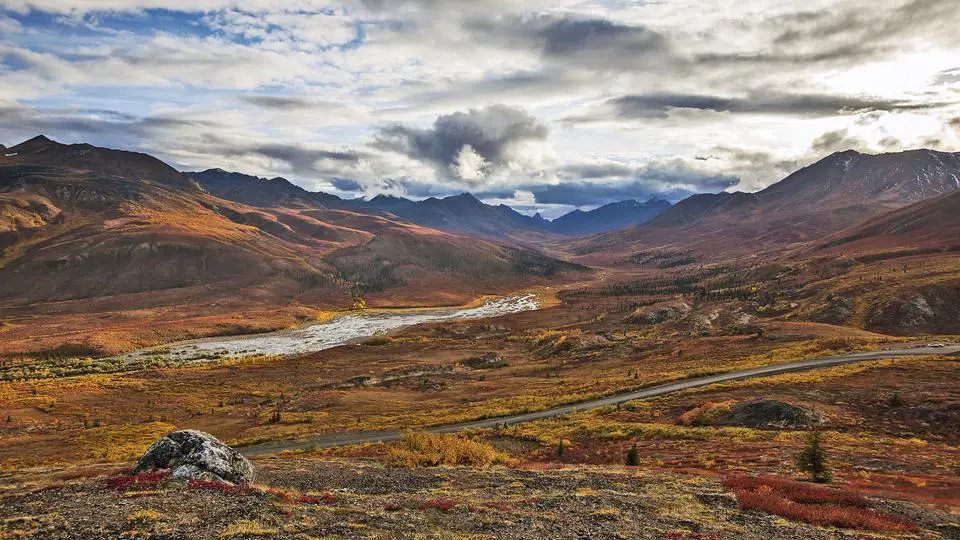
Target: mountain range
(833, 194)
(88, 230)
(463, 214)
(79, 223)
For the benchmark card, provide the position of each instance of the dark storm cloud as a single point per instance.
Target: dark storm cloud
(576, 37)
(81, 122)
(489, 131)
(299, 158)
(285, 103)
(955, 124)
(836, 141)
(573, 40)
(659, 105)
(346, 184)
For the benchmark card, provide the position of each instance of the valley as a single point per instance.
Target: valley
(283, 322)
(482, 270)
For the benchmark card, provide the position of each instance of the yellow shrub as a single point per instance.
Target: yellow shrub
(422, 449)
(706, 414)
(145, 516)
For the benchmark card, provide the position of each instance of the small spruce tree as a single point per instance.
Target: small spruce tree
(633, 456)
(813, 459)
(560, 448)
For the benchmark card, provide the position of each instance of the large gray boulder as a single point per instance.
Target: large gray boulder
(195, 455)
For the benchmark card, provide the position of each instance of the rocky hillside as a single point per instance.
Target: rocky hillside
(300, 498)
(90, 225)
(838, 192)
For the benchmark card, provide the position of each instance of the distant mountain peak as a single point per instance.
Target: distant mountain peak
(464, 197)
(32, 145)
(385, 197)
(611, 216)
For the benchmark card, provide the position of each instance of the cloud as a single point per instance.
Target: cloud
(346, 184)
(284, 103)
(837, 141)
(467, 146)
(954, 123)
(573, 40)
(597, 183)
(770, 103)
(22, 122)
(948, 77)
(346, 94)
(598, 38)
(304, 160)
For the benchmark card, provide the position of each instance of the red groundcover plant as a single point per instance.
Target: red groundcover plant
(122, 483)
(813, 504)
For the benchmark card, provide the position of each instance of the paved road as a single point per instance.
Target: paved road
(361, 437)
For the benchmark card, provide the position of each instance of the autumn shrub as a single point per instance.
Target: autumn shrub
(423, 449)
(812, 504)
(326, 498)
(801, 492)
(706, 414)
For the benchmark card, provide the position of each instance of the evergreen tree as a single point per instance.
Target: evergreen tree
(813, 459)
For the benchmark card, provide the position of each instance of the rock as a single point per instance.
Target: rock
(836, 310)
(770, 413)
(658, 313)
(195, 455)
(192, 472)
(490, 360)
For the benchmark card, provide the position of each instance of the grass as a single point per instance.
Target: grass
(812, 504)
(145, 516)
(593, 425)
(422, 449)
(122, 442)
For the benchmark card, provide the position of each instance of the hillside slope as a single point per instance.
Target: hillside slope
(829, 196)
(86, 229)
(263, 192)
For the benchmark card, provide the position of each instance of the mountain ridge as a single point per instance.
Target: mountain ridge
(833, 194)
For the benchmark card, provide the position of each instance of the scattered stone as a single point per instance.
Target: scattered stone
(195, 455)
(490, 360)
(659, 313)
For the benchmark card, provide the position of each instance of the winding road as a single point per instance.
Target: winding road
(363, 437)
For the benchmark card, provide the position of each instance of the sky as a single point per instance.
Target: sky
(545, 105)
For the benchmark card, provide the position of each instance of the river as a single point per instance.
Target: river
(336, 332)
